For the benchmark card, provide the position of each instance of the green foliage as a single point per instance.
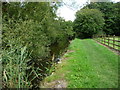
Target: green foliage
(26, 33)
(14, 61)
(88, 22)
(35, 27)
(111, 15)
(28, 10)
(99, 33)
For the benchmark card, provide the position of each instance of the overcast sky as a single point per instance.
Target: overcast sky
(68, 12)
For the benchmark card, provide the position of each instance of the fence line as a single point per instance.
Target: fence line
(110, 41)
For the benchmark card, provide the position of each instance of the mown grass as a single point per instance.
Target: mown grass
(90, 66)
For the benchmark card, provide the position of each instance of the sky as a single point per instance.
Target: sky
(68, 12)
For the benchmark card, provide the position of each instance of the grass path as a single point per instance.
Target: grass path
(90, 66)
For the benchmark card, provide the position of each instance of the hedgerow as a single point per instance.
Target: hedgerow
(31, 40)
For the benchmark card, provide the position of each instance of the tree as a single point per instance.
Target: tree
(111, 16)
(88, 22)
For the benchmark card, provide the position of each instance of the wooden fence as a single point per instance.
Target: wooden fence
(110, 41)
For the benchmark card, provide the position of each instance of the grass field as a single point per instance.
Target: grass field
(88, 65)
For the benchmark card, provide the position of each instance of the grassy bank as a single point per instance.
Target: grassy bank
(87, 65)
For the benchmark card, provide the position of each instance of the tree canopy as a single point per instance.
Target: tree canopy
(88, 22)
(111, 13)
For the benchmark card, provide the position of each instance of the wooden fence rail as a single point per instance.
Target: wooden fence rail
(110, 41)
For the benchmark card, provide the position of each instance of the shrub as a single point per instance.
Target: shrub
(39, 35)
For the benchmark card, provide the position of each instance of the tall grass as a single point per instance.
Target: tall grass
(17, 72)
(14, 63)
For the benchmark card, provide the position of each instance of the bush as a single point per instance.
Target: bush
(27, 33)
(30, 34)
(40, 37)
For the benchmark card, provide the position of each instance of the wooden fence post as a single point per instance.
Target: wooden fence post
(104, 39)
(108, 40)
(113, 41)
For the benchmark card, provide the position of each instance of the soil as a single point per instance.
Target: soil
(57, 84)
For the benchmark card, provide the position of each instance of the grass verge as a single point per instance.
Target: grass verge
(90, 66)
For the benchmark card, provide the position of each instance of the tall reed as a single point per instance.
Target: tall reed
(14, 62)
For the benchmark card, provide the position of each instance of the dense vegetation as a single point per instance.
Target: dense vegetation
(33, 36)
(88, 22)
(111, 17)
